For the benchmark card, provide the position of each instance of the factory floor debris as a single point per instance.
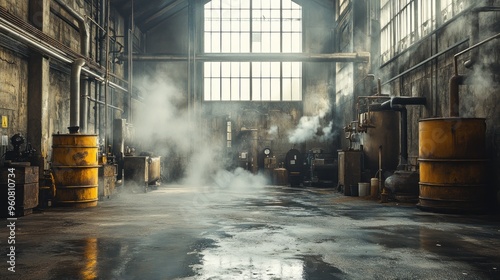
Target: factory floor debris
(273, 232)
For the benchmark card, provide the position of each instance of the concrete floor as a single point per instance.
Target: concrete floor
(183, 232)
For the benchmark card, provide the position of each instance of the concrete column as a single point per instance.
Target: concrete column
(38, 88)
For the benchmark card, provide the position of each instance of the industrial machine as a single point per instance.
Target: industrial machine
(294, 164)
(142, 172)
(322, 169)
(18, 175)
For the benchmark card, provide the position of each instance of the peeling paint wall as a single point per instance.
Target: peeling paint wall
(15, 78)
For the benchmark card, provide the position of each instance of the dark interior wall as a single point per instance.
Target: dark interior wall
(52, 77)
(478, 98)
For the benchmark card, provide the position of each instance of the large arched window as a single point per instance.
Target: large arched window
(252, 26)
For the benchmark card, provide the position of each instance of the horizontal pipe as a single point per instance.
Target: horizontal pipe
(264, 57)
(425, 61)
(471, 48)
(407, 100)
(48, 50)
(103, 103)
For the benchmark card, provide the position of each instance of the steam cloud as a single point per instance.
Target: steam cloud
(310, 128)
(164, 128)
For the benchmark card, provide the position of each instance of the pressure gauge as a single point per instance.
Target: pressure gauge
(267, 151)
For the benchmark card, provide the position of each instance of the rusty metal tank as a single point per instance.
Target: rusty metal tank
(75, 168)
(382, 130)
(453, 165)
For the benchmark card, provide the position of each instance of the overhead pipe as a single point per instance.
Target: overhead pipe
(299, 57)
(49, 50)
(84, 30)
(74, 110)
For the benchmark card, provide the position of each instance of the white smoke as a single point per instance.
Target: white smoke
(311, 128)
(164, 127)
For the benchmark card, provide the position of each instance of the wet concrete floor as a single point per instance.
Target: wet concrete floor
(184, 232)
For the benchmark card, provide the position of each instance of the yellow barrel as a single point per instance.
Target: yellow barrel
(453, 167)
(75, 168)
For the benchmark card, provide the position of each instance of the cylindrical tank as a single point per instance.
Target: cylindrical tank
(383, 131)
(75, 168)
(453, 167)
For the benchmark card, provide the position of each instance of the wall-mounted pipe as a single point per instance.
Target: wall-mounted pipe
(46, 49)
(84, 30)
(457, 79)
(74, 110)
(475, 31)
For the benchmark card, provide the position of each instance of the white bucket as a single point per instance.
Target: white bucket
(363, 189)
(374, 187)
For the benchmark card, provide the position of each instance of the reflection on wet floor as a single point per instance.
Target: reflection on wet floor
(275, 233)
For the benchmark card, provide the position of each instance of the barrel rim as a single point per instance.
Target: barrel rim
(451, 119)
(73, 134)
(454, 160)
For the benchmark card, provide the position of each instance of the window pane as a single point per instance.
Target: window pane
(275, 43)
(296, 89)
(215, 94)
(245, 69)
(256, 69)
(245, 89)
(226, 89)
(287, 89)
(266, 42)
(235, 89)
(297, 42)
(275, 90)
(275, 69)
(226, 42)
(245, 43)
(287, 69)
(215, 69)
(235, 69)
(226, 69)
(287, 42)
(266, 89)
(235, 42)
(215, 42)
(266, 69)
(256, 90)
(236, 29)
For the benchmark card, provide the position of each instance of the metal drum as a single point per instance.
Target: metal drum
(75, 167)
(383, 131)
(453, 167)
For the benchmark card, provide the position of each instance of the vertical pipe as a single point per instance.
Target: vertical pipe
(74, 120)
(106, 76)
(130, 62)
(455, 81)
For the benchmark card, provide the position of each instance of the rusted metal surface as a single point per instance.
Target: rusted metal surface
(383, 131)
(452, 138)
(75, 169)
(280, 177)
(453, 168)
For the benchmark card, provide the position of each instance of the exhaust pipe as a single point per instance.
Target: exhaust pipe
(74, 113)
